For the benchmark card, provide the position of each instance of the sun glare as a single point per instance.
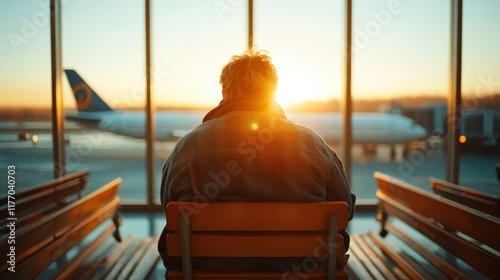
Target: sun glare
(293, 87)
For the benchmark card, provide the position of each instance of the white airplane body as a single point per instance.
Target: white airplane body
(170, 125)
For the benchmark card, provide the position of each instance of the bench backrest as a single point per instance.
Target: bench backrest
(256, 230)
(478, 200)
(32, 202)
(440, 219)
(49, 238)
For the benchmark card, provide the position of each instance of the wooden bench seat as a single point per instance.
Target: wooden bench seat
(83, 226)
(258, 230)
(104, 258)
(33, 203)
(426, 230)
(475, 199)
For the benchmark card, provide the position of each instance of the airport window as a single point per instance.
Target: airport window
(25, 118)
(480, 97)
(188, 56)
(399, 67)
(401, 61)
(307, 52)
(103, 57)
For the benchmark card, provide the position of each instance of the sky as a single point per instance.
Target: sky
(401, 48)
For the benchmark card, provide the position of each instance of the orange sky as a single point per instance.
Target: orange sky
(396, 51)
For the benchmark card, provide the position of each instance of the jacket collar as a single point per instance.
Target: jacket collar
(244, 104)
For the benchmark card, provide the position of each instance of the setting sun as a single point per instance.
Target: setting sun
(295, 85)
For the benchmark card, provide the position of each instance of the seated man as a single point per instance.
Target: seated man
(247, 150)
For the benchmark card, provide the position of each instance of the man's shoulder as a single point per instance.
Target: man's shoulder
(307, 132)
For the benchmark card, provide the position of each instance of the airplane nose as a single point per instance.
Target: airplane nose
(420, 132)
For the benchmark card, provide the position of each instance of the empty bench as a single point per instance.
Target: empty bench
(33, 203)
(84, 226)
(469, 197)
(276, 230)
(433, 224)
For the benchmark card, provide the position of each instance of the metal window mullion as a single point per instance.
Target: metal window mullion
(347, 100)
(454, 94)
(58, 144)
(250, 24)
(150, 111)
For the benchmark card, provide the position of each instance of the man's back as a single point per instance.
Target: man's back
(246, 150)
(253, 156)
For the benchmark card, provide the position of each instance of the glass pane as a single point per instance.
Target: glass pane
(25, 103)
(192, 41)
(480, 124)
(103, 43)
(304, 40)
(400, 80)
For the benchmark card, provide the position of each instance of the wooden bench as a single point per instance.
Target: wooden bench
(433, 224)
(475, 199)
(259, 230)
(33, 203)
(80, 226)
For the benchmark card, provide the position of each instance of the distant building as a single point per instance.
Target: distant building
(477, 126)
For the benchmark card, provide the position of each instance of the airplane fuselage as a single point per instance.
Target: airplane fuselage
(367, 127)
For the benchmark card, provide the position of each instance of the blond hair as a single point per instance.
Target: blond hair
(249, 74)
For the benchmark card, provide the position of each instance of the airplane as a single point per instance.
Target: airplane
(368, 128)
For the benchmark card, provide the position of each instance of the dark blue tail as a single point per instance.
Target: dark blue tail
(86, 98)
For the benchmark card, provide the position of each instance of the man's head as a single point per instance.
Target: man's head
(249, 74)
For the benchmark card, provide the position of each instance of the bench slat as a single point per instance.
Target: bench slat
(143, 262)
(451, 214)
(127, 260)
(113, 263)
(178, 275)
(403, 260)
(264, 216)
(53, 220)
(432, 258)
(79, 175)
(57, 223)
(383, 263)
(477, 200)
(91, 267)
(56, 195)
(480, 258)
(360, 265)
(31, 203)
(434, 182)
(277, 245)
(65, 271)
(147, 265)
(255, 229)
(26, 269)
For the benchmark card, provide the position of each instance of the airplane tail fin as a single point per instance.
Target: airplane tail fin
(86, 98)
